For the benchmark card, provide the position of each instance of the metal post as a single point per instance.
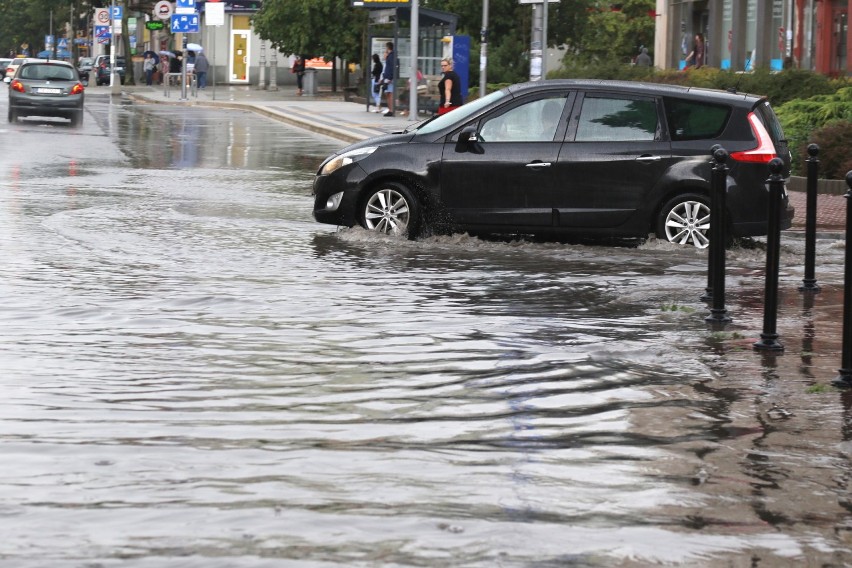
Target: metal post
(261, 83)
(183, 70)
(111, 46)
(273, 69)
(708, 291)
(412, 81)
(483, 50)
(844, 379)
(535, 43)
(809, 281)
(544, 40)
(718, 182)
(769, 337)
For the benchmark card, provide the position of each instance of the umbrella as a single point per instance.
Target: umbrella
(167, 53)
(194, 47)
(152, 54)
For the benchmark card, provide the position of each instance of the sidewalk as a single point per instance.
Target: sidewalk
(328, 114)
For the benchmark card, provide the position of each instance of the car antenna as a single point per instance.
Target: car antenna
(736, 87)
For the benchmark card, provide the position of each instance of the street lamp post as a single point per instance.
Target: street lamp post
(483, 49)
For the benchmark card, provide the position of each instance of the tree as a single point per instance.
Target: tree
(318, 28)
(615, 31)
(29, 23)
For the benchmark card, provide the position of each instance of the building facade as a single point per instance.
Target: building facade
(743, 34)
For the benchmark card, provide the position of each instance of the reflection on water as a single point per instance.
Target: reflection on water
(196, 374)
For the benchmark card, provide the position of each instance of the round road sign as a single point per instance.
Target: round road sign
(163, 10)
(103, 16)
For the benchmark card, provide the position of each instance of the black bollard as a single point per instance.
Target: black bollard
(718, 238)
(844, 379)
(707, 296)
(769, 338)
(809, 281)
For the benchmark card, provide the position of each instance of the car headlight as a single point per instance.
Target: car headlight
(346, 158)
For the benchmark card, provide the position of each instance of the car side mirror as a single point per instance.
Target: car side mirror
(468, 135)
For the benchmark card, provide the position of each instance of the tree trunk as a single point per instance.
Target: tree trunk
(129, 78)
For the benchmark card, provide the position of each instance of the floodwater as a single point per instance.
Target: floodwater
(194, 373)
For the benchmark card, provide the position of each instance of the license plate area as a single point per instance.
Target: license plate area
(48, 91)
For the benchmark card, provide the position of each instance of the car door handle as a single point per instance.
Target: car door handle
(537, 165)
(648, 159)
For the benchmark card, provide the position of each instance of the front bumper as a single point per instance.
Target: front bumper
(347, 181)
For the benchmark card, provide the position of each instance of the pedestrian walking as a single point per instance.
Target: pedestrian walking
(202, 65)
(696, 56)
(376, 83)
(298, 69)
(449, 88)
(387, 76)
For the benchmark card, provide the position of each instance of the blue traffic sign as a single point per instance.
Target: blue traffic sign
(185, 23)
(188, 5)
(116, 12)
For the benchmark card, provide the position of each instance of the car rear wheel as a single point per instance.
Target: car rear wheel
(77, 118)
(392, 209)
(13, 116)
(685, 220)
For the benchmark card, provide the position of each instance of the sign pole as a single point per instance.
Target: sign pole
(412, 79)
(483, 49)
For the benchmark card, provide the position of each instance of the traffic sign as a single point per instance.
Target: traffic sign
(163, 10)
(102, 32)
(185, 7)
(116, 12)
(63, 43)
(185, 23)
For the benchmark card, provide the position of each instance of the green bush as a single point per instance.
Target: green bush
(802, 119)
(834, 140)
(778, 86)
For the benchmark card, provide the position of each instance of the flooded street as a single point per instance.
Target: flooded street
(196, 374)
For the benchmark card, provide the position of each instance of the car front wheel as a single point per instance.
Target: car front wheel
(391, 209)
(685, 220)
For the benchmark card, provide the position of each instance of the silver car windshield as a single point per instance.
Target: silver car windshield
(460, 114)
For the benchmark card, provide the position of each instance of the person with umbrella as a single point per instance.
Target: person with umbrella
(202, 65)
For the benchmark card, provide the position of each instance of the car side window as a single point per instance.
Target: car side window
(614, 119)
(533, 121)
(693, 120)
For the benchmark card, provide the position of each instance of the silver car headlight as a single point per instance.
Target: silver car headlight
(346, 158)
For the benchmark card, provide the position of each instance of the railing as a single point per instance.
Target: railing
(175, 78)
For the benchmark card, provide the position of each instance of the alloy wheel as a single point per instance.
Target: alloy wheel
(688, 223)
(387, 211)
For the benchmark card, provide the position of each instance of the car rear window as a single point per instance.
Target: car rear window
(695, 120)
(47, 72)
(770, 120)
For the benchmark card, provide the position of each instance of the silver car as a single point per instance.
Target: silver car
(47, 88)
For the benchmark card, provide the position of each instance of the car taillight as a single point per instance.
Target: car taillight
(77, 89)
(765, 150)
(17, 86)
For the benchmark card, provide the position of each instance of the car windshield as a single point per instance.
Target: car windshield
(460, 114)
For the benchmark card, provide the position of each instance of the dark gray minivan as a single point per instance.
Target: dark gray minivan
(583, 158)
